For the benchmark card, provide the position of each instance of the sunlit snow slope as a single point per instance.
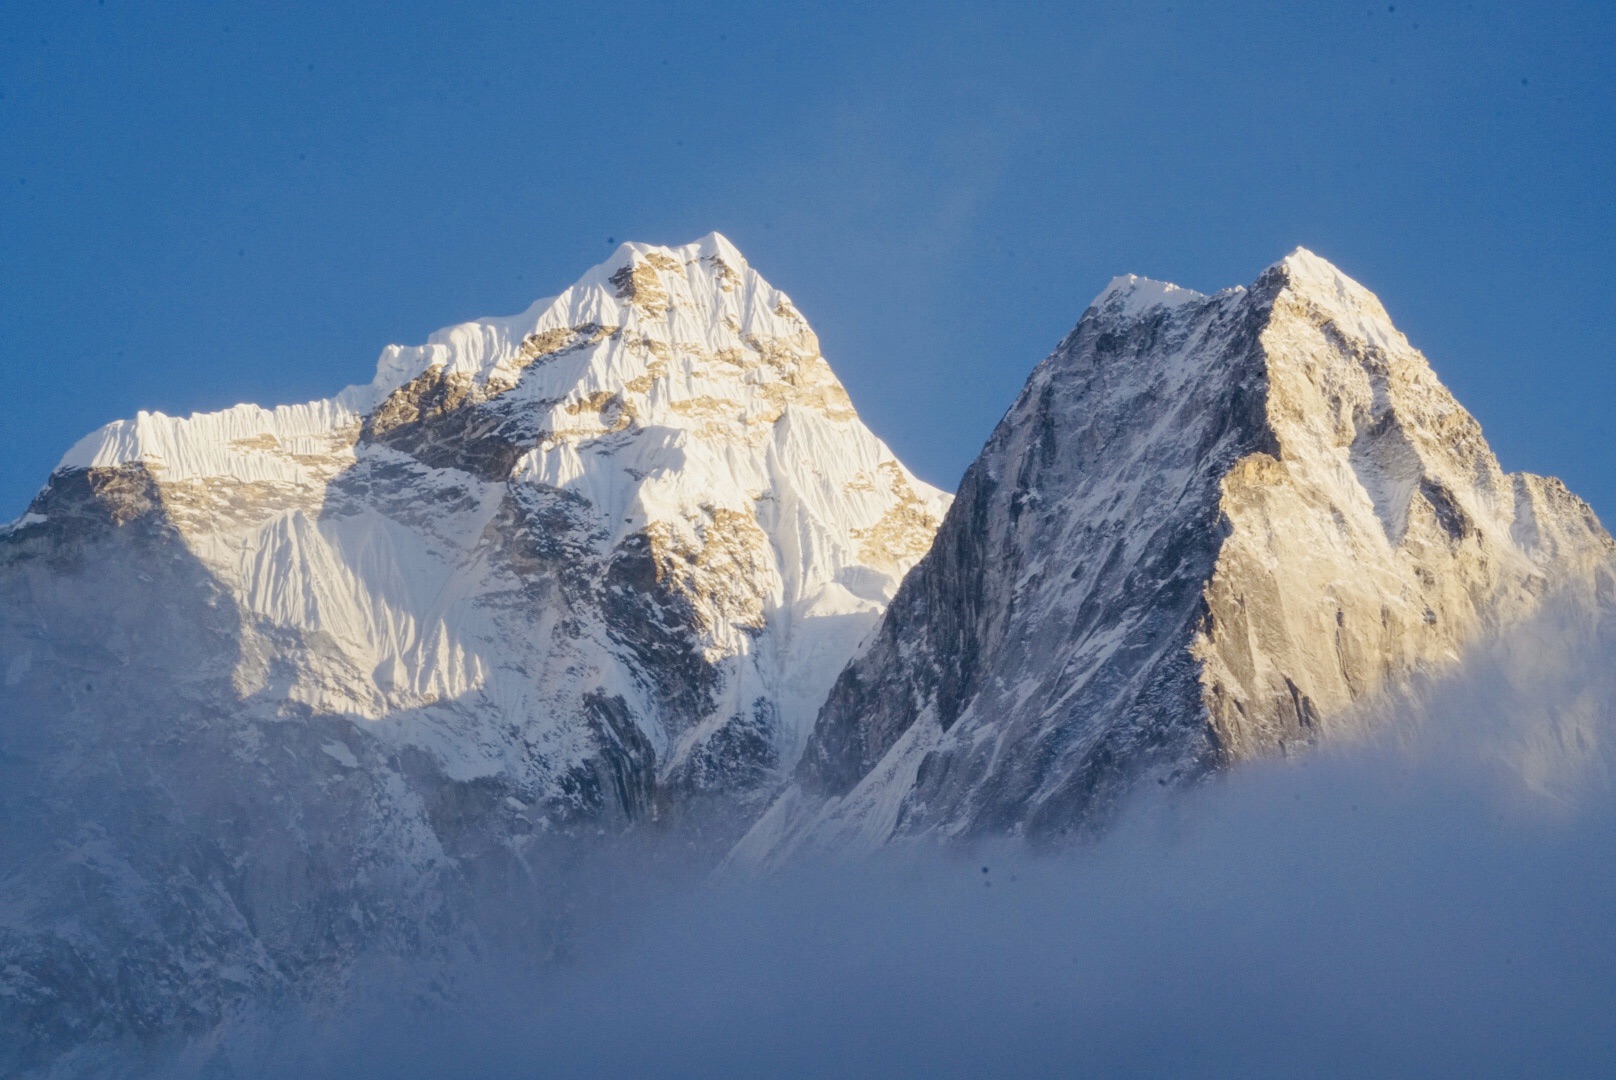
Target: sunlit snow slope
(649, 491)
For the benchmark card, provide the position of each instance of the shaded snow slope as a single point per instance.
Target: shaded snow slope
(1208, 529)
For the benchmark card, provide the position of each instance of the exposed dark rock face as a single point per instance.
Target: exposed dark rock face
(1131, 561)
(626, 758)
(439, 419)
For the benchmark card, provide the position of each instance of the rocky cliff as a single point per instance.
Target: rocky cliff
(1208, 529)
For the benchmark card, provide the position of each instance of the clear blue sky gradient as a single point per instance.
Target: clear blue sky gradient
(202, 204)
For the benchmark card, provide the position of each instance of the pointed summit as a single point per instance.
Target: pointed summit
(1309, 273)
(699, 291)
(1332, 295)
(1301, 260)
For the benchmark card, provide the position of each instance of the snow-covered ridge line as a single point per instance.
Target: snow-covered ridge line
(188, 446)
(230, 441)
(1130, 295)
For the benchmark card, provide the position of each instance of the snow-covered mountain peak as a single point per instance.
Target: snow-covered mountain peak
(700, 292)
(1210, 529)
(310, 672)
(664, 435)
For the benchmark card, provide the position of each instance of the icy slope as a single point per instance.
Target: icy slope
(1208, 527)
(275, 681)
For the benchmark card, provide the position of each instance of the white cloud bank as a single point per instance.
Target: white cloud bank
(1436, 900)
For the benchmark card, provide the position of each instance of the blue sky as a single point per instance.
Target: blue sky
(205, 203)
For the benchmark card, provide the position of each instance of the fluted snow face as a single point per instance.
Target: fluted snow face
(1209, 529)
(679, 407)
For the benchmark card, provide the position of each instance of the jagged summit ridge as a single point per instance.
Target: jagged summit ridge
(1130, 295)
(715, 296)
(1206, 531)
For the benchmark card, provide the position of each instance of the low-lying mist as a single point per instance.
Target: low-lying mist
(1437, 898)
